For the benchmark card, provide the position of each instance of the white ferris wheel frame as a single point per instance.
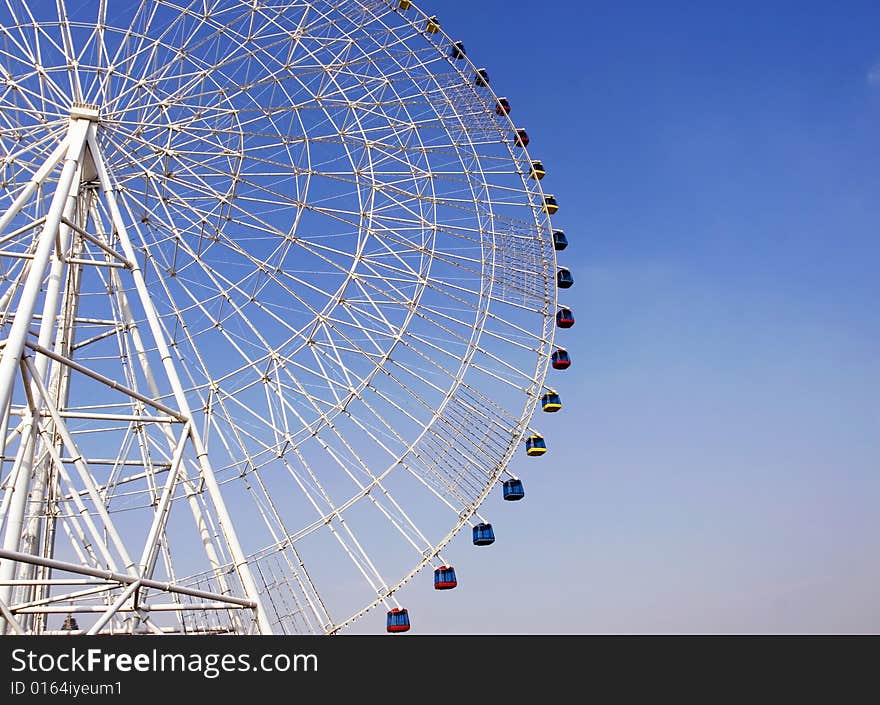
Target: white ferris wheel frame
(89, 225)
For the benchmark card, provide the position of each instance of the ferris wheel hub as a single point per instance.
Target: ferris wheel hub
(85, 111)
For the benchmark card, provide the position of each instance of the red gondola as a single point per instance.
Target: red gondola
(444, 578)
(564, 318)
(522, 138)
(398, 620)
(560, 359)
(503, 107)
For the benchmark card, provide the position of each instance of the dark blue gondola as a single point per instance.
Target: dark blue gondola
(483, 535)
(457, 51)
(398, 620)
(560, 242)
(551, 402)
(560, 359)
(502, 108)
(482, 78)
(513, 490)
(564, 318)
(444, 578)
(535, 445)
(564, 280)
(537, 171)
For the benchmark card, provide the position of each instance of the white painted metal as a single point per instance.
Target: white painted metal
(276, 307)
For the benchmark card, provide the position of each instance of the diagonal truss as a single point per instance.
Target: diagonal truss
(53, 478)
(294, 256)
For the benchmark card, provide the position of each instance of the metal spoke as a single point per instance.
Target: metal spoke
(277, 302)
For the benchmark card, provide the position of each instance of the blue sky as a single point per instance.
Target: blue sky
(714, 469)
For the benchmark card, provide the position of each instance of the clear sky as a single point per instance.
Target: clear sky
(715, 468)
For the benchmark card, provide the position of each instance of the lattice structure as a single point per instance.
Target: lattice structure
(276, 308)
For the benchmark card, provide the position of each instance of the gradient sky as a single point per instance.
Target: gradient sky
(715, 468)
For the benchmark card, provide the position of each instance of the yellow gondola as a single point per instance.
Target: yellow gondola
(404, 4)
(432, 26)
(551, 402)
(537, 171)
(550, 206)
(535, 445)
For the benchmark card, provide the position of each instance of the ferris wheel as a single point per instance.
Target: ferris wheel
(278, 297)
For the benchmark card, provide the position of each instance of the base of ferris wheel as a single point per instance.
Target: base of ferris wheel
(119, 603)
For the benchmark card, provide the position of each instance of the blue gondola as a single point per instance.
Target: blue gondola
(564, 318)
(560, 359)
(551, 402)
(483, 535)
(457, 51)
(398, 620)
(560, 242)
(502, 108)
(482, 78)
(563, 278)
(444, 578)
(513, 490)
(522, 138)
(535, 445)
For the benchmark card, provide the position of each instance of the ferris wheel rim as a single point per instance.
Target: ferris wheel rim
(427, 257)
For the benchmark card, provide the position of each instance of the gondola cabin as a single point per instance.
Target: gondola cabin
(398, 620)
(537, 171)
(432, 26)
(457, 51)
(550, 205)
(513, 490)
(502, 107)
(560, 359)
(522, 138)
(560, 242)
(404, 4)
(483, 535)
(482, 78)
(551, 402)
(564, 318)
(563, 278)
(444, 578)
(535, 445)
